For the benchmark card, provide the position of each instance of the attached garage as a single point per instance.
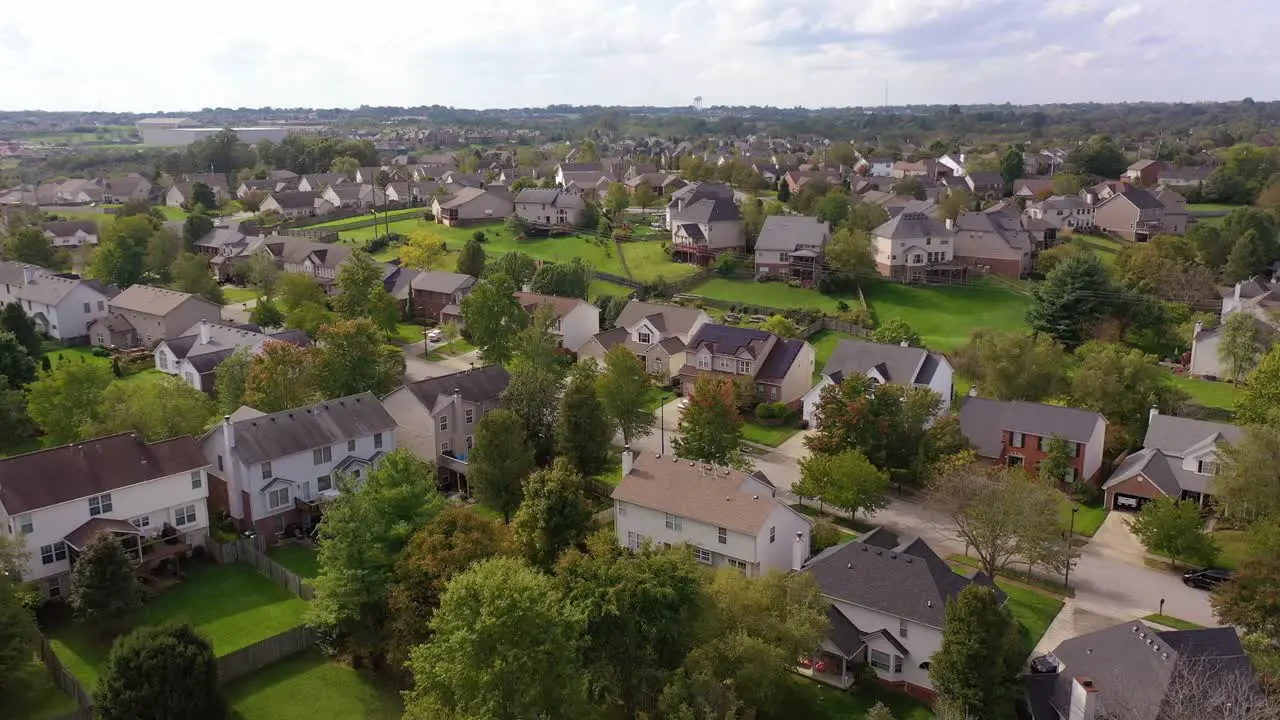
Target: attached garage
(1141, 478)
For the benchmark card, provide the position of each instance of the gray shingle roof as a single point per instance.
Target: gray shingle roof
(709, 210)
(478, 385)
(154, 300)
(309, 427)
(441, 282)
(909, 225)
(785, 232)
(780, 359)
(1141, 199)
(68, 228)
(983, 419)
(674, 319)
(1174, 435)
(901, 365)
(729, 340)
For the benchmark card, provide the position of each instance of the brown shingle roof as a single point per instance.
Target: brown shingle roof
(685, 488)
(562, 305)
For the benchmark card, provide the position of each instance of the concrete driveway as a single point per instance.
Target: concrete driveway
(1116, 539)
(418, 368)
(238, 313)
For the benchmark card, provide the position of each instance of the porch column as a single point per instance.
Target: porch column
(844, 669)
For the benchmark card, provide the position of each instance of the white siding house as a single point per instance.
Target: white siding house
(884, 364)
(61, 307)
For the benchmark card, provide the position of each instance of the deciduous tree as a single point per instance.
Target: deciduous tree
(500, 462)
(104, 587)
(1175, 529)
(976, 668)
(18, 632)
(1012, 365)
(266, 313)
(424, 251)
(1259, 401)
(537, 373)
(1123, 384)
(29, 245)
(309, 317)
(160, 672)
(195, 227)
(710, 427)
(68, 399)
(846, 480)
(888, 425)
(493, 317)
(203, 198)
(781, 326)
(616, 200)
(351, 358)
(297, 289)
(361, 293)
(13, 319)
(120, 259)
(851, 252)
(644, 196)
(1058, 460)
(163, 249)
(1239, 348)
(564, 279)
(623, 387)
(1248, 487)
(472, 259)
(17, 369)
(158, 410)
(264, 275)
(516, 266)
(230, 378)
(954, 204)
(896, 332)
(553, 516)
(191, 275)
(584, 434)
(281, 377)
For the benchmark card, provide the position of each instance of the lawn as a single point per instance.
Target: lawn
(390, 217)
(407, 226)
(1033, 610)
(604, 287)
(32, 695)
(947, 316)
(857, 525)
(1107, 249)
(232, 605)
(1210, 207)
(655, 397)
(1232, 546)
(301, 559)
(452, 348)
(172, 213)
(1173, 622)
(406, 333)
(1209, 393)
(80, 353)
(824, 343)
(648, 262)
(810, 699)
(232, 294)
(770, 294)
(1088, 518)
(308, 685)
(770, 435)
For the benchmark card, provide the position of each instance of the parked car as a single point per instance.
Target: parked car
(435, 336)
(1206, 578)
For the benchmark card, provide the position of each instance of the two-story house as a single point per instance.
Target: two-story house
(70, 233)
(1179, 459)
(1144, 172)
(913, 246)
(885, 365)
(54, 501)
(317, 182)
(792, 247)
(984, 184)
(888, 599)
(144, 315)
(1175, 218)
(1133, 214)
(123, 188)
(60, 305)
(1064, 212)
(431, 292)
(300, 255)
(1016, 433)
(576, 321)
(273, 471)
(548, 208)
(291, 204)
(705, 229)
(436, 418)
(657, 334)
(993, 243)
(469, 206)
(196, 353)
(782, 369)
(727, 517)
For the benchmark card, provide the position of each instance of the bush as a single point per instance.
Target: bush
(479, 236)
(161, 672)
(825, 534)
(842, 306)
(771, 410)
(100, 352)
(858, 316)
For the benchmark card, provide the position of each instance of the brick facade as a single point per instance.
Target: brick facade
(1031, 454)
(1136, 486)
(429, 304)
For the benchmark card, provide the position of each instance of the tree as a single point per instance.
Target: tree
(1068, 184)
(846, 480)
(162, 251)
(554, 514)
(784, 192)
(1122, 384)
(516, 266)
(866, 217)
(616, 201)
(975, 669)
(493, 317)
(160, 672)
(500, 462)
(851, 252)
(1058, 460)
(1248, 256)
(424, 251)
(345, 165)
(104, 588)
(1238, 349)
(833, 207)
(1074, 296)
(203, 198)
(1002, 515)
(644, 196)
(1012, 365)
(1248, 486)
(17, 369)
(710, 428)
(897, 332)
(503, 646)
(471, 261)
(623, 388)
(281, 377)
(447, 545)
(297, 289)
(361, 293)
(1259, 401)
(309, 318)
(264, 275)
(13, 415)
(67, 400)
(1098, 156)
(536, 377)
(1176, 529)
(912, 186)
(954, 204)
(29, 245)
(191, 275)
(230, 378)
(155, 411)
(1011, 165)
(195, 227)
(584, 433)
(362, 533)
(18, 632)
(781, 326)
(14, 320)
(564, 279)
(120, 259)
(266, 313)
(640, 609)
(879, 711)
(351, 358)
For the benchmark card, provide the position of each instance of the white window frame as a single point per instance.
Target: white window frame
(185, 515)
(722, 536)
(634, 540)
(469, 415)
(1017, 439)
(266, 470)
(723, 363)
(744, 367)
(673, 522)
(141, 522)
(643, 337)
(702, 555)
(902, 627)
(704, 363)
(25, 524)
(99, 504)
(738, 565)
(280, 492)
(444, 423)
(197, 479)
(323, 455)
(351, 446)
(444, 446)
(377, 441)
(57, 553)
(882, 662)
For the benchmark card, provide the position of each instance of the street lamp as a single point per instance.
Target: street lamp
(662, 429)
(1071, 532)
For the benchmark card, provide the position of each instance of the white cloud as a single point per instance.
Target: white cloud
(1122, 13)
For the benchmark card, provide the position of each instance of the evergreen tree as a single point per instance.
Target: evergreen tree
(471, 261)
(553, 516)
(976, 667)
(104, 588)
(584, 434)
(710, 427)
(14, 320)
(266, 313)
(1076, 294)
(1011, 165)
(18, 633)
(17, 369)
(160, 672)
(623, 388)
(501, 460)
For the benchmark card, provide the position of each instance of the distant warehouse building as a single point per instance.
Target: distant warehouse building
(177, 132)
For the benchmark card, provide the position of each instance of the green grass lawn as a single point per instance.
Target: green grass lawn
(79, 353)
(452, 348)
(811, 700)
(172, 213)
(406, 333)
(1211, 221)
(1107, 249)
(406, 226)
(1173, 622)
(232, 605)
(770, 435)
(857, 525)
(232, 294)
(1209, 393)
(655, 397)
(770, 294)
(301, 559)
(947, 316)
(648, 262)
(1232, 546)
(604, 287)
(391, 217)
(1088, 518)
(1033, 610)
(824, 343)
(1210, 207)
(309, 685)
(32, 695)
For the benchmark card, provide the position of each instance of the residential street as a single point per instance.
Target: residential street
(416, 368)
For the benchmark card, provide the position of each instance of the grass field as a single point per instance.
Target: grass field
(770, 294)
(406, 333)
(824, 343)
(810, 699)
(604, 287)
(649, 263)
(1107, 249)
(30, 694)
(310, 685)
(947, 316)
(406, 226)
(1173, 622)
(1232, 546)
(1210, 207)
(768, 435)
(1209, 393)
(656, 397)
(232, 605)
(172, 213)
(232, 294)
(392, 216)
(300, 559)
(1033, 610)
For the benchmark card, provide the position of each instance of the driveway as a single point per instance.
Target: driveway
(238, 313)
(418, 368)
(1074, 621)
(1114, 538)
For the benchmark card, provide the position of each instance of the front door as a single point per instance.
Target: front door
(1015, 461)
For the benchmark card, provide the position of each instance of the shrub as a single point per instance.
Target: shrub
(771, 410)
(842, 306)
(479, 236)
(825, 534)
(858, 316)
(161, 672)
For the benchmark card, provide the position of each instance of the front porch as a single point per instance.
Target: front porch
(828, 667)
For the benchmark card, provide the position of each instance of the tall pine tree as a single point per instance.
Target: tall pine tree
(104, 588)
(974, 672)
(1075, 295)
(583, 430)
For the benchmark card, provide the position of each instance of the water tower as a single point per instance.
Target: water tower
(697, 103)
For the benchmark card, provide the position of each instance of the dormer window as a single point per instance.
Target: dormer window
(644, 337)
(1207, 467)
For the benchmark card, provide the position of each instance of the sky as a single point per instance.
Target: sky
(148, 55)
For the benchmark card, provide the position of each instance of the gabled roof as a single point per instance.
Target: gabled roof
(68, 228)
(295, 199)
(785, 232)
(1063, 202)
(1175, 435)
(441, 282)
(909, 225)
(664, 318)
(293, 431)
(896, 364)
(709, 210)
(561, 305)
(476, 386)
(1139, 198)
(982, 421)
(1152, 464)
(69, 472)
(730, 340)
(781, 358)
(153, 300)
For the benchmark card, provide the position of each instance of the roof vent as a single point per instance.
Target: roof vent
(1155, 648)
(1164, 655)
(907, 558)
(1134, 628)
(692, 463)
(849, 565)
(755, 497)
(928, 603)
(1142, 635)
(879, 552)
(893, 556)
(657, 455)
(727, 498)
(675, 459)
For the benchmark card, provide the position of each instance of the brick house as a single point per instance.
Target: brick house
(1179, 459)
(432, 292)
(1017, 434)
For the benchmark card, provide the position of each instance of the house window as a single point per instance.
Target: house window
(704, 363)
(99, 306)
(351, 446)
(99, 504)
(744, 367)
(879, 660)
(723, 363)
(1069, 475)
(469, 415)
(644, 337)
(197, 480)
(444, 447)
(1017, 439)
(444, 423)
(773, 532)
(1076, 449)
(219, 463)
(25, 524)
(1207, 467)
(722, 536)
(702, 555)
(738, 565)
(377, 441)
(470, 442)
(902, 628)
(86, 308)
(140, 522)
(324, 482)
(320, 456)
(897, 663)
(55, 587)
(184, 515)
(278, 498)
(784, 257)
(673, 522)
(57, 552)
(266, 470)
(634, 540)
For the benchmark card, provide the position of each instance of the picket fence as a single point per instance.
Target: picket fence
(249, 551)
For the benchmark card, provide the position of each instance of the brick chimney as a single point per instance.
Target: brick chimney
(1084, 699)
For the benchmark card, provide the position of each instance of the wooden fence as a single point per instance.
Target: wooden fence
(265, 652)
(67, 682)
(246, 550)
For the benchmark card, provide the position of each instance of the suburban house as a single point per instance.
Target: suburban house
(271, 472)
(436, 418)
(368, 175)
(145, 315)
(1175, 216)
(196, 354)
(994, 243)
(300, 255)
(581, 174)
(317, 182)
(576, 321)
(61, 306)
(885, 365)
(1064, 212)
(1185, 177)
(550, 208)
(432, 291)
(692, 193)
(249, 187)
(704, 222)
(1145, 172)
(1137, 672)
(888, 599)
(180, 194)
(292, 204)
(875, 167)
(1104, 190)
(657, 334)
(470, 206)
(781, 369)
(1032, 188)
(1018, 434)
(728, 518)
(797, 179)
(150, 495)
(70, 233)
(792, 247)
(914, 246)
(1134, 214)
(923, 168)
(1179, 459)
(124, 188)
(1205, 360)
(985, 184)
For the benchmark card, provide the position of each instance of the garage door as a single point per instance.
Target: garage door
(1128, 502)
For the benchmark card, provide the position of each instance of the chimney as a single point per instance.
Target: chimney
(951, 224)
(28, 273)
(1239, 286)
(973, 390)
(626, 461)
(799, 551)
(204, 332)
(1151, 415)
(1084, 699)
(904, 343)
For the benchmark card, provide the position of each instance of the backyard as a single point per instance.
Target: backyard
(810, 699)
(824, 343)
(391, 217)
(946, 316)
(768, 435)
(308, 685)
(301, 559)
(31, 694)
(232, 294)
(1209, 393)
(232, 605)
(770, 294)
(1107, 249)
